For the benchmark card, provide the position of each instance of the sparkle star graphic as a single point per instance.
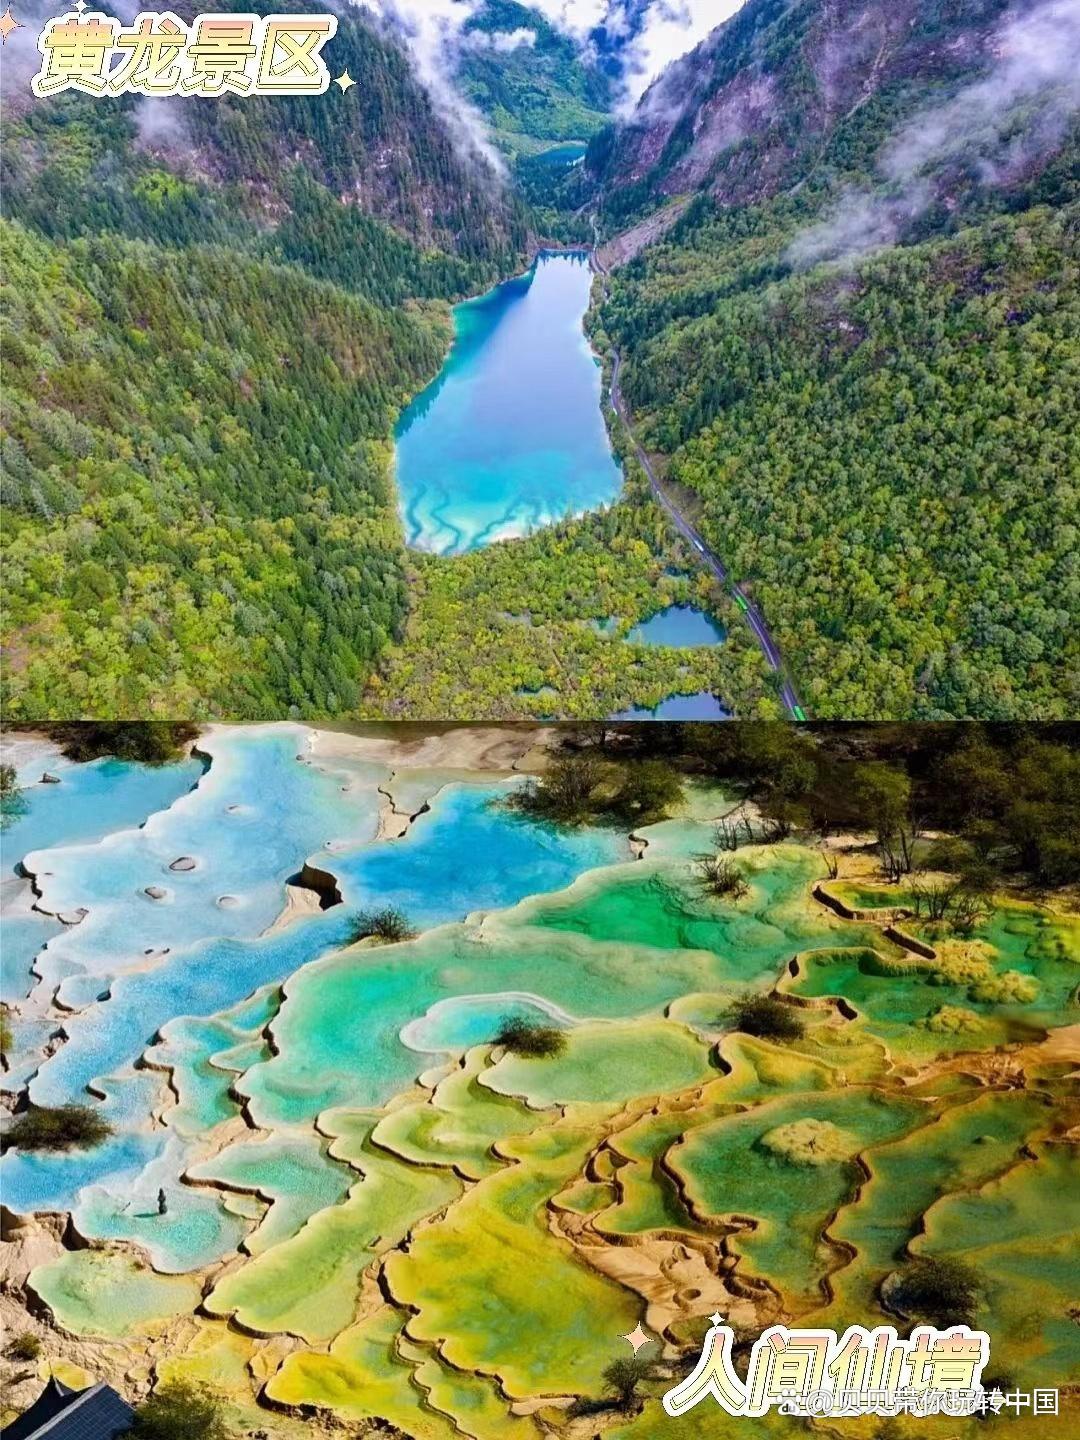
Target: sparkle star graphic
(637, 1338)
(344, 80)
(8, 24)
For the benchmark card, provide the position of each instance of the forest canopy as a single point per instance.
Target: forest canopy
(889, 455)
(200, 517)
(853, 343)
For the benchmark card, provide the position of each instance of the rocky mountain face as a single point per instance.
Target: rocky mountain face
(390, 148)
(787, 85)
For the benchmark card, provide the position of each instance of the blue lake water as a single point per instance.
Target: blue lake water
(702, 706)
(510, 435)
(91, 800)
(254, 818)
(561, 156)
(24, 936)
(509, 856)
(686, 627)
(456, 1025)
(682, 626)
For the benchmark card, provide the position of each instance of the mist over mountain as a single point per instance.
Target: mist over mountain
(845, 298)
(530, 79)
(922, 98)
(215, 313)
(616, 47)
(636, 40)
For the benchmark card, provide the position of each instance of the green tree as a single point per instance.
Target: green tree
(526, 1037)
(720, 876)
(623, 1376)
(783, 762)
(388, 925)
(181, 1410)
(12, 800)
(936, 1290)
(41, 1128)
(24, 1347)
(153, 742)
(883, 793)
(566, 791)
(766, 1016)
(648, 790)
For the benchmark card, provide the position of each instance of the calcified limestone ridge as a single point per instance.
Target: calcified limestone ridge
(376, 1216)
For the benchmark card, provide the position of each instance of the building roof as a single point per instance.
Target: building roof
(60, 1413)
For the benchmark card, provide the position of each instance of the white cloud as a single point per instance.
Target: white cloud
(998, 127)
(664, 30)
(433, 31)
(655, 34)
(502, 42)
(670, 29)
(576, 17)
(1036, 80)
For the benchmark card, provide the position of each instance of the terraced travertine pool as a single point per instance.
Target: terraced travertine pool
(372, 1210)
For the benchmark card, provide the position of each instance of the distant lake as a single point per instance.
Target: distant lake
(561, 155)
(510, 435)
(679, 625)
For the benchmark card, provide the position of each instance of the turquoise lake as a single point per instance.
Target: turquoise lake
(559, 157)
(683, 626)
(510, 435)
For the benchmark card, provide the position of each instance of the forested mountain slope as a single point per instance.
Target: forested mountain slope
(199, 517)
(787, 85)
(213, 315)
(860, 346)
(376, 170)
(893, 457)
(531, 81)
(384, 147)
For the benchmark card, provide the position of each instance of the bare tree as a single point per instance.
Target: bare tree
(726, 833)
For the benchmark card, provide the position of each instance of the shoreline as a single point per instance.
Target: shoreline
(458, 749)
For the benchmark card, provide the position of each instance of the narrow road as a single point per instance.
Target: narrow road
(708, 557)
